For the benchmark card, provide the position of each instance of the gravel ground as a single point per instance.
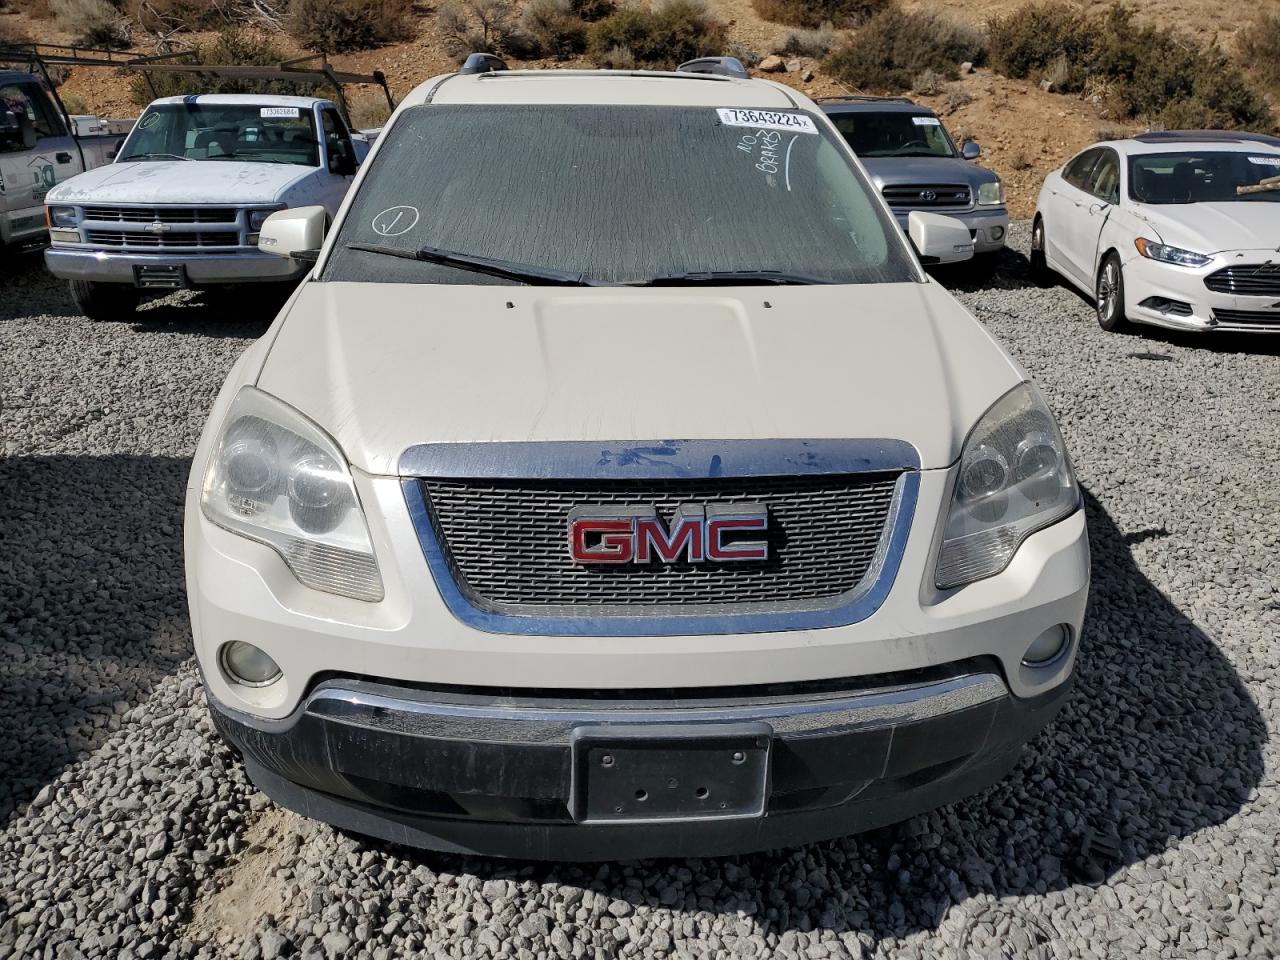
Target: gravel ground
(1144, 822)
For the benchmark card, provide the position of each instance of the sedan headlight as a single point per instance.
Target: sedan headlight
(277, 478)
(1015, 478)
(990, 194)
(62, 217)
(1166, 254)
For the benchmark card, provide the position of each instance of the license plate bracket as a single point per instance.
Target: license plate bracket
(648, 773)
(160, 276)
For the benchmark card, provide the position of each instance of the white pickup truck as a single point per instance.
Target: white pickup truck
(182, 204)
(37, 152)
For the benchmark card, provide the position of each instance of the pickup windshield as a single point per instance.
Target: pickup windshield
(894, 134)
(244, 132)
(616, 194)
(1211, 176)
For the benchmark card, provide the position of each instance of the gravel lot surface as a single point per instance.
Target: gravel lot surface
(128, 831)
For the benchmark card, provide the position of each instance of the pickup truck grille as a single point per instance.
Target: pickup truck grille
(161, 214)
(1256, 280)
(116, 238)
(506, 541)
(928, 196)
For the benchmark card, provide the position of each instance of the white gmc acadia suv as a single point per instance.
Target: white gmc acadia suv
(617, 484)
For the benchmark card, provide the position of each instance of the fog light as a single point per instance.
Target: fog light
(1047, 647)
(997, 233)
(244, 663)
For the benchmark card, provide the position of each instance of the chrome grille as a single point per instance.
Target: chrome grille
(116, 238)
(161, 214)
(506, 541)
(927, 196)
(1256, 280)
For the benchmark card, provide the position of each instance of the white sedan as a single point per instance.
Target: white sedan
(1178, 230)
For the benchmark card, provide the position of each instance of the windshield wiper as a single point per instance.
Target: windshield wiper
(730, 278)
(506, 269)
(153, 156)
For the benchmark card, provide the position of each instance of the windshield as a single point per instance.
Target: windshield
(614, 194)
(1210, 176)
(894, 134)
(245, 132)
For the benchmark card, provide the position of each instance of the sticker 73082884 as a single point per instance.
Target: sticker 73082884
(766, 120)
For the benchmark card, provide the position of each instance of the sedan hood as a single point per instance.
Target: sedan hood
(383, 367)
(895, 170)
(181, 181)
(1215, 227)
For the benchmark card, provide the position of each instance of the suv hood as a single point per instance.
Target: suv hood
(383, 367)
(181, 181)
(895, 170)
(1215, 227)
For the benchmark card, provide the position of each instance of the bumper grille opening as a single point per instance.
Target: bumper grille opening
(1255, 280)
(506, 541)
(1248, 319)
(1176, 308)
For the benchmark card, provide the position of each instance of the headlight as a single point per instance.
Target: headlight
(991, 193)
(277, 478)
(1014, 479)
(62, 216)
(258, 217)
(1166, 254)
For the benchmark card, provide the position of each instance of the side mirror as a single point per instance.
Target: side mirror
(296, 233)
(341, 162)
(970, 150)
(938, 239)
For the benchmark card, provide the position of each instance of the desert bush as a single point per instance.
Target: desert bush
(807, 43)
(663, 35)
(592, 10)
(617, 58)
(555, 28)
(1026, 41)
(956, 97)
(369, 110)
(477, 26)
(337, 26)
(1258, 45)
(929, 83)
(74, 102)
(231, 46)
(93, 22)
(166, 17)
(743, 54)
(814, 13)
(895, 47)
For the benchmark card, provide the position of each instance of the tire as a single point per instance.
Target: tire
(104, 301)
(1109, 294)
(1040, 272)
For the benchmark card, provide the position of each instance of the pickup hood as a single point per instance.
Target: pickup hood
(894, 170)
(1215, 227)
(383, 367)
(181, 181)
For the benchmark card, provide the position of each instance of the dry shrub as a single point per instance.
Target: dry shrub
(814, 13)
(895, 47)
(477, 26)
(660, 36)
(807, 43)
(617, 58)
(956, 98)
(166, 17)
(554, 27)
(369, 110)
(928, 83)
(95, 23)
(1258, 46)
(229, 47)
(743, 54)
(338, 26)
(1026, 41)
(592, 10)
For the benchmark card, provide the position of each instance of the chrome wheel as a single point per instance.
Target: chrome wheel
(1108, 290)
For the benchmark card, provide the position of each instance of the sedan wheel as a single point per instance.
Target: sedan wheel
(1109, 294)
(1038, 266)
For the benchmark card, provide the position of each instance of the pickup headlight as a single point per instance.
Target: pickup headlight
(1015, 478)
(989, 194)
(1166, 254)
(277, 478)
(62, 217)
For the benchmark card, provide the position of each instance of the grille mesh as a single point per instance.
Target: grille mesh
(908, 195)
(202, 238)
(162, 214)
(506, 541)
(1248, 319)
(1256, 280)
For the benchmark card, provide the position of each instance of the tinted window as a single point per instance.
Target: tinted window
(18, 101)
(1077, 171)
(1213, 176)
(618, 193)
(894, 134)
(1104, 179)
(244, 132)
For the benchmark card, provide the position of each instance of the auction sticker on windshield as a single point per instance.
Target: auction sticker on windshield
(766, 120)
(282, 112)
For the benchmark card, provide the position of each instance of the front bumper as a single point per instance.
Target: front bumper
(503, 775)
(989, 226)
(1164, 295)
(194, 269)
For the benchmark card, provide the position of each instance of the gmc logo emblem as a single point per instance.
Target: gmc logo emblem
(716, 533)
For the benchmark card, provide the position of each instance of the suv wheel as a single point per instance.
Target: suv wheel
(1109, 294)
(103, 301)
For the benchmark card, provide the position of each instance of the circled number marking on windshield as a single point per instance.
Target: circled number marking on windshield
(148, 121)
(395, 221)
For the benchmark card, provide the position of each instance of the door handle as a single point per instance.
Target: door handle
(63, 157)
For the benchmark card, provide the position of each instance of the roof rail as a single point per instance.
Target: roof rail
(865, 97)
(719, 66)
(482, 63)
(1200, 136)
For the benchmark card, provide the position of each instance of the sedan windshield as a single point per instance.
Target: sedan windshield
(618, 194)
(245, 132)
(1211, 176)
(894, 134)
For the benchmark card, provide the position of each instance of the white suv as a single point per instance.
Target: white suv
(617, 484)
